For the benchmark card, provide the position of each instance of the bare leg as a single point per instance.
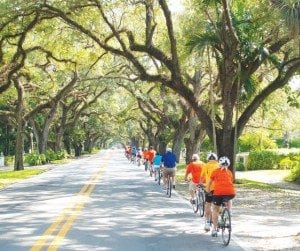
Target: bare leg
(207, 211)
(215, 214)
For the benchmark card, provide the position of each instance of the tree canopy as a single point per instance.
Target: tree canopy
(78, 73)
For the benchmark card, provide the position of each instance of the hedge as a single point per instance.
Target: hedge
(261, 160)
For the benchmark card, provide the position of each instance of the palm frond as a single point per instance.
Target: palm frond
(199, 42)
(291, 14)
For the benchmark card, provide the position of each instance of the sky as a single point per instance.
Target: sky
(176, 5)
(295, 83)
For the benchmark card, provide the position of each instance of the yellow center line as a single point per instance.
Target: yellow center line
(68, 216)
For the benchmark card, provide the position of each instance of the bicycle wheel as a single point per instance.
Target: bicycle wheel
(195, 204)
(159, 176)
(169, 187)
(226, 226)
(201, 203)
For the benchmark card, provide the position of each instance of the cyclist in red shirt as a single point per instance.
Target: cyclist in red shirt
(194, 168)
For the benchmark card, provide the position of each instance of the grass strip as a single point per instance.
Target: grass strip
(11, 176)
(250, 184)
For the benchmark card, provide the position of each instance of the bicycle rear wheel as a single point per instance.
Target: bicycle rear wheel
(159, 176)
(169, 187)
(201, 203)
(195, 204)
(226, 226)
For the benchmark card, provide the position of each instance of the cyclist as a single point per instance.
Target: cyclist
(207, 169)
(133, 154)
(156, 164)
(169, 162)
(139, 155)
(223, 189)
(194, 168)
(127, 152)
(146, 158)
(151, 154)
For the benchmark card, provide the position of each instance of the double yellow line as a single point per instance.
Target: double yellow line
(63, 223)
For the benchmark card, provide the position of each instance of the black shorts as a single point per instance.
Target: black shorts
(208, 197)
(218, 199)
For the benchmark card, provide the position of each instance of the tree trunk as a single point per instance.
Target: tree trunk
(162, 146)
(67, 143)
(77, 149)
(19, 165)
(88, 143)
(45, 133)
(58, 140)
(226, 148)
(180, 132)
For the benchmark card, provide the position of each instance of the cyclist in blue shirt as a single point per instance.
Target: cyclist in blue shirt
(156, 164)
(169, 162)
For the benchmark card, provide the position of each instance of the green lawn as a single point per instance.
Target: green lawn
(9, 177)
(250, 184)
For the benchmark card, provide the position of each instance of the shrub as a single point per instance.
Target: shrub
(35, 159)
(295, 172)
(261, 160)
(255, 141)
(295, 143)
(51, 155)
(285, 163)
(239, 166)
(9, 160)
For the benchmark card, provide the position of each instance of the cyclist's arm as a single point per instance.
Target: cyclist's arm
(208, 185)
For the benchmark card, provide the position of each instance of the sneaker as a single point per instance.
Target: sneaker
(207, 226)
(214, 233)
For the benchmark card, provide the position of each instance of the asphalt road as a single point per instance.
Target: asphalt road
(99, 203)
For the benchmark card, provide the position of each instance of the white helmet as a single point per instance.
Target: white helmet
(195, 157)
(224, 161)
(212, 156)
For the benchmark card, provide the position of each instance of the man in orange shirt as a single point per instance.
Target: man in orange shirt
(223, 190)
(194, 168)
(146, 158)
(151, 154)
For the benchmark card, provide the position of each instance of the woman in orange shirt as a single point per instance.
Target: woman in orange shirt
(223, 189)
(194, 168)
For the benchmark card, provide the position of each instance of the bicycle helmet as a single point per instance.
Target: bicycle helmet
(195, 157)
(224, 161)
(212, 156)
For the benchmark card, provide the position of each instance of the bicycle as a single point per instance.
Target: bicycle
(151, 169)
(169, 185)
(224, 223)
(199, 200)
(159, 173)
(139, 160)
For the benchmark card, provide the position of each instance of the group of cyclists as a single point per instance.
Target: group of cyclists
(155, 162)
(218, 185)
(214, 175)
